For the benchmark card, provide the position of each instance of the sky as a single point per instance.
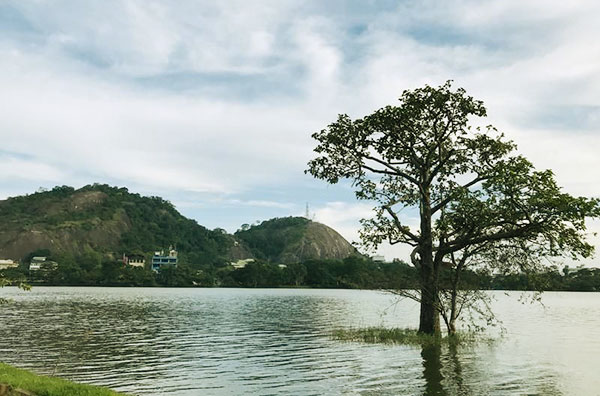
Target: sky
(211, 104)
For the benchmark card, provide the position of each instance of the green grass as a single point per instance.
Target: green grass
(382, 335)
(48, 386)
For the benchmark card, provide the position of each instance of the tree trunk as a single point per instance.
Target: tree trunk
(430, 318)
(453, 313)
(453, 301)
(452, 327)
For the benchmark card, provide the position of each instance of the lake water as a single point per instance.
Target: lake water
(153, 341)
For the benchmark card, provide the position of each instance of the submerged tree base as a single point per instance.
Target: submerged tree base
(383, 335)
(34, 384)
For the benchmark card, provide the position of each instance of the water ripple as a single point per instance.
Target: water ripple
(275, 342)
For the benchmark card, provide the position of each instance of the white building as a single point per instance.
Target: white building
(42, 263)
(8, 263)
(135, 260)
(36, 263)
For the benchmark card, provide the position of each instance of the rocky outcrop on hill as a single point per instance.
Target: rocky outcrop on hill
(318, 242)
(295, 239)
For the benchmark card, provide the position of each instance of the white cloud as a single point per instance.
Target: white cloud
(260, 203)
(88, 91)
(166, 141)
(14, 169)
(344, 217)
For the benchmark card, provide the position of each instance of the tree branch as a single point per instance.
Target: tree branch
(464, 242)
(395, 170)
(402, 229)
(447, 200)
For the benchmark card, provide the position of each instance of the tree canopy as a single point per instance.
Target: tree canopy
(478, 201)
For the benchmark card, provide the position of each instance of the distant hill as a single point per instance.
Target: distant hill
(107, 220)
(112, 221)
(294, 239)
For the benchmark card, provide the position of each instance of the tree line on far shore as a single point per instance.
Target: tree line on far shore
(90, 269)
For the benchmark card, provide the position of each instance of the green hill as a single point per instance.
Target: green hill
(106, 220)
(294, 239)
(112, 221)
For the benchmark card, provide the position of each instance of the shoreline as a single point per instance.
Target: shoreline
(36, 285)
(17, 381)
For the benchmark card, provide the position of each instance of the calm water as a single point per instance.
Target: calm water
(275, 342)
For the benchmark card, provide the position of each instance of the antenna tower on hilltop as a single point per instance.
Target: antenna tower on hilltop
(307, 213)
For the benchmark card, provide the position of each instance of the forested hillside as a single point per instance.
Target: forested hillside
(105, 220)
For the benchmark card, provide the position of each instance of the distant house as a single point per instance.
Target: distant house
(7, 263)
(241, 263)
(378, 259)
(36, 263)
(135, 260)
(161, 260)
(42, 263)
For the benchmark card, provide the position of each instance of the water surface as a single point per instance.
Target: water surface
(153, 341)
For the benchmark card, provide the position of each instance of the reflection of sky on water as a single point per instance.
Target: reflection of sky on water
(217, 341)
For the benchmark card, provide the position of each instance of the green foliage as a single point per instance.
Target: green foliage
(295, 274)
(48, 386)
(181, 276)
(350, 273)
(259, 274)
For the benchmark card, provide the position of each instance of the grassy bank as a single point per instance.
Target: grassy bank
(384, 335)
(48, 386)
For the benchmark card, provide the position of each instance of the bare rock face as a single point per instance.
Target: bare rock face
(319, 242)
(290, 240)
(17, 242)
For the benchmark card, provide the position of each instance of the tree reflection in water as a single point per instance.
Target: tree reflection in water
(446, 375)
(443, 373)
(432, 370)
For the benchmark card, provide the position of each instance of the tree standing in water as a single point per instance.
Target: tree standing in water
(477, 200)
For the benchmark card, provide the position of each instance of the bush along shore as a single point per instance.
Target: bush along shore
(382, 335)
(19, 382)
(350, 273)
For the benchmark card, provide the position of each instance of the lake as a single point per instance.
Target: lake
(155, 341)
